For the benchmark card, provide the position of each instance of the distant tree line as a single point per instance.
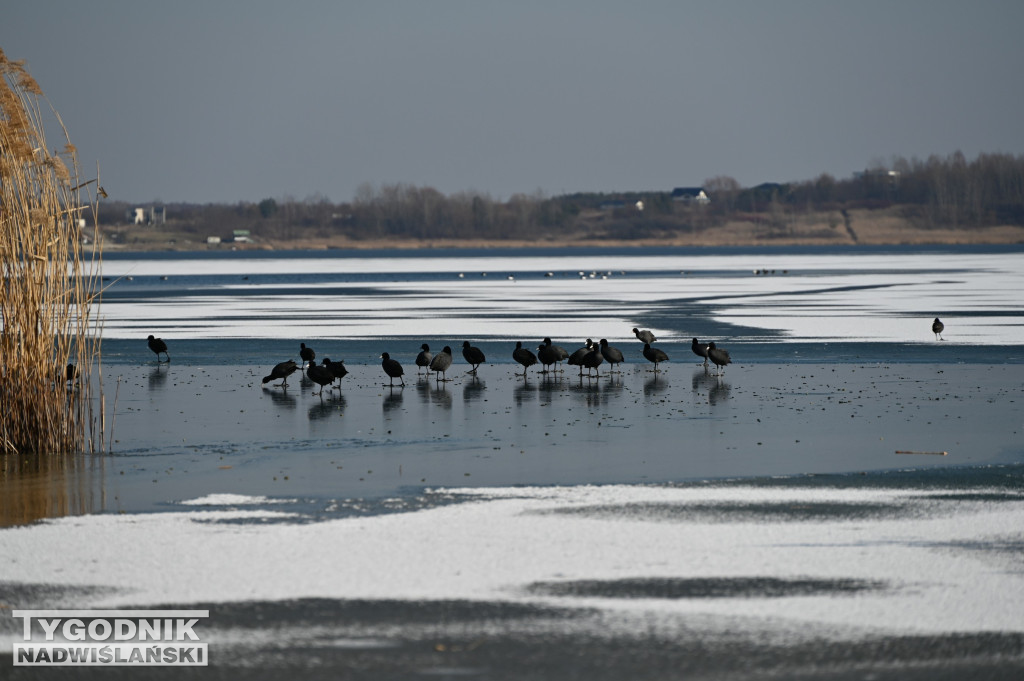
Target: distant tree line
(937, 192)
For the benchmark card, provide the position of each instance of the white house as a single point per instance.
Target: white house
(690, 195)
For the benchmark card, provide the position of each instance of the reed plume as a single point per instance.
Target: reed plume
(49, 288)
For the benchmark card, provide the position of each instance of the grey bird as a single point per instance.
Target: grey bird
(654, 355)
(423, 359)
(473, 355)
(720, 356)
(282, 370)
(937, 328)
(700, 349)
(440, 362)
(524, 356)
(644, 336)
(612, 355)
(158, 346)
(392, 368)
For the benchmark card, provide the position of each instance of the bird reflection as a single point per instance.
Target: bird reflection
(702, 380)
(524, 393)
(280, 397)
(441, 396)
(321, 410)
(719, 392)
(549, 384)
(158, 376)
(656, 384)
(473, 388)
(393, 398)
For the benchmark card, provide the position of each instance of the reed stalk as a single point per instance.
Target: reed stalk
(49, 288)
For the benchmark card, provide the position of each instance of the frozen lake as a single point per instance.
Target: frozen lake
(637, 525)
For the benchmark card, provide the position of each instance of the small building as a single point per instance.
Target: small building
(158, 215)
(690, 195)
(213, 240)
(241, 236)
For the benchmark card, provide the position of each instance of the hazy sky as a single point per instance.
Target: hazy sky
(225, 101)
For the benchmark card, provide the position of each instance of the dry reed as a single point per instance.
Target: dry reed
(49, 288)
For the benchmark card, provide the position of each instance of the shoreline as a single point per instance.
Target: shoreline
(864, 229)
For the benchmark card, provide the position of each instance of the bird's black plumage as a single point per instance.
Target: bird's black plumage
(306, 354)
(473, 355)
(700, 349)
(937, 327)
(593, 359)
(654, 355)
(282, 370)
(321, 375)
(612, 355)
(440, 362)
(392, 368)
(158, 346)
(720, 356)
(337, 368)
(423, 359)
(550, 354)
(524, 356)
(576, 358)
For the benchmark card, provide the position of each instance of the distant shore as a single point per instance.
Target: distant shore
(868, 228)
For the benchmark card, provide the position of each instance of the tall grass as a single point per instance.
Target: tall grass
(49, 283)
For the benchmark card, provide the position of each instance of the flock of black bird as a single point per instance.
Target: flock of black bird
(590, 357)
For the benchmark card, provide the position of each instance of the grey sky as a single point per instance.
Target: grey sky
(217, 101)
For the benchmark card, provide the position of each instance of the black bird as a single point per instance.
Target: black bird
(473, 355)
(644, 336)
(719, 356)
(937, 328)
(593, 359)
(576, 358)
(654, 355)
(320, 375)
(282, 371)
(70, 373)
(546, 354)
(392, 368)
(549, 354)
(157, 345)
(423, 359)
(440, 363)
(524, 357)
(337, 368)
(306, 354)
(613, 355)
(700, 349)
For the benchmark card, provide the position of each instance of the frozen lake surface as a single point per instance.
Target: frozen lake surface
(637, 525)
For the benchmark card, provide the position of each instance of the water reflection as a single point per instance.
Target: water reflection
(441, 396)
(158, 377)
(524, 393)
(37, 487)
(393, 398)
(473, 389)
(719, 391)
(656, 384)
(702, 380)
(280, 397)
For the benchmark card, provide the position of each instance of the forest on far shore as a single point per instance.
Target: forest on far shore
(940, 192)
